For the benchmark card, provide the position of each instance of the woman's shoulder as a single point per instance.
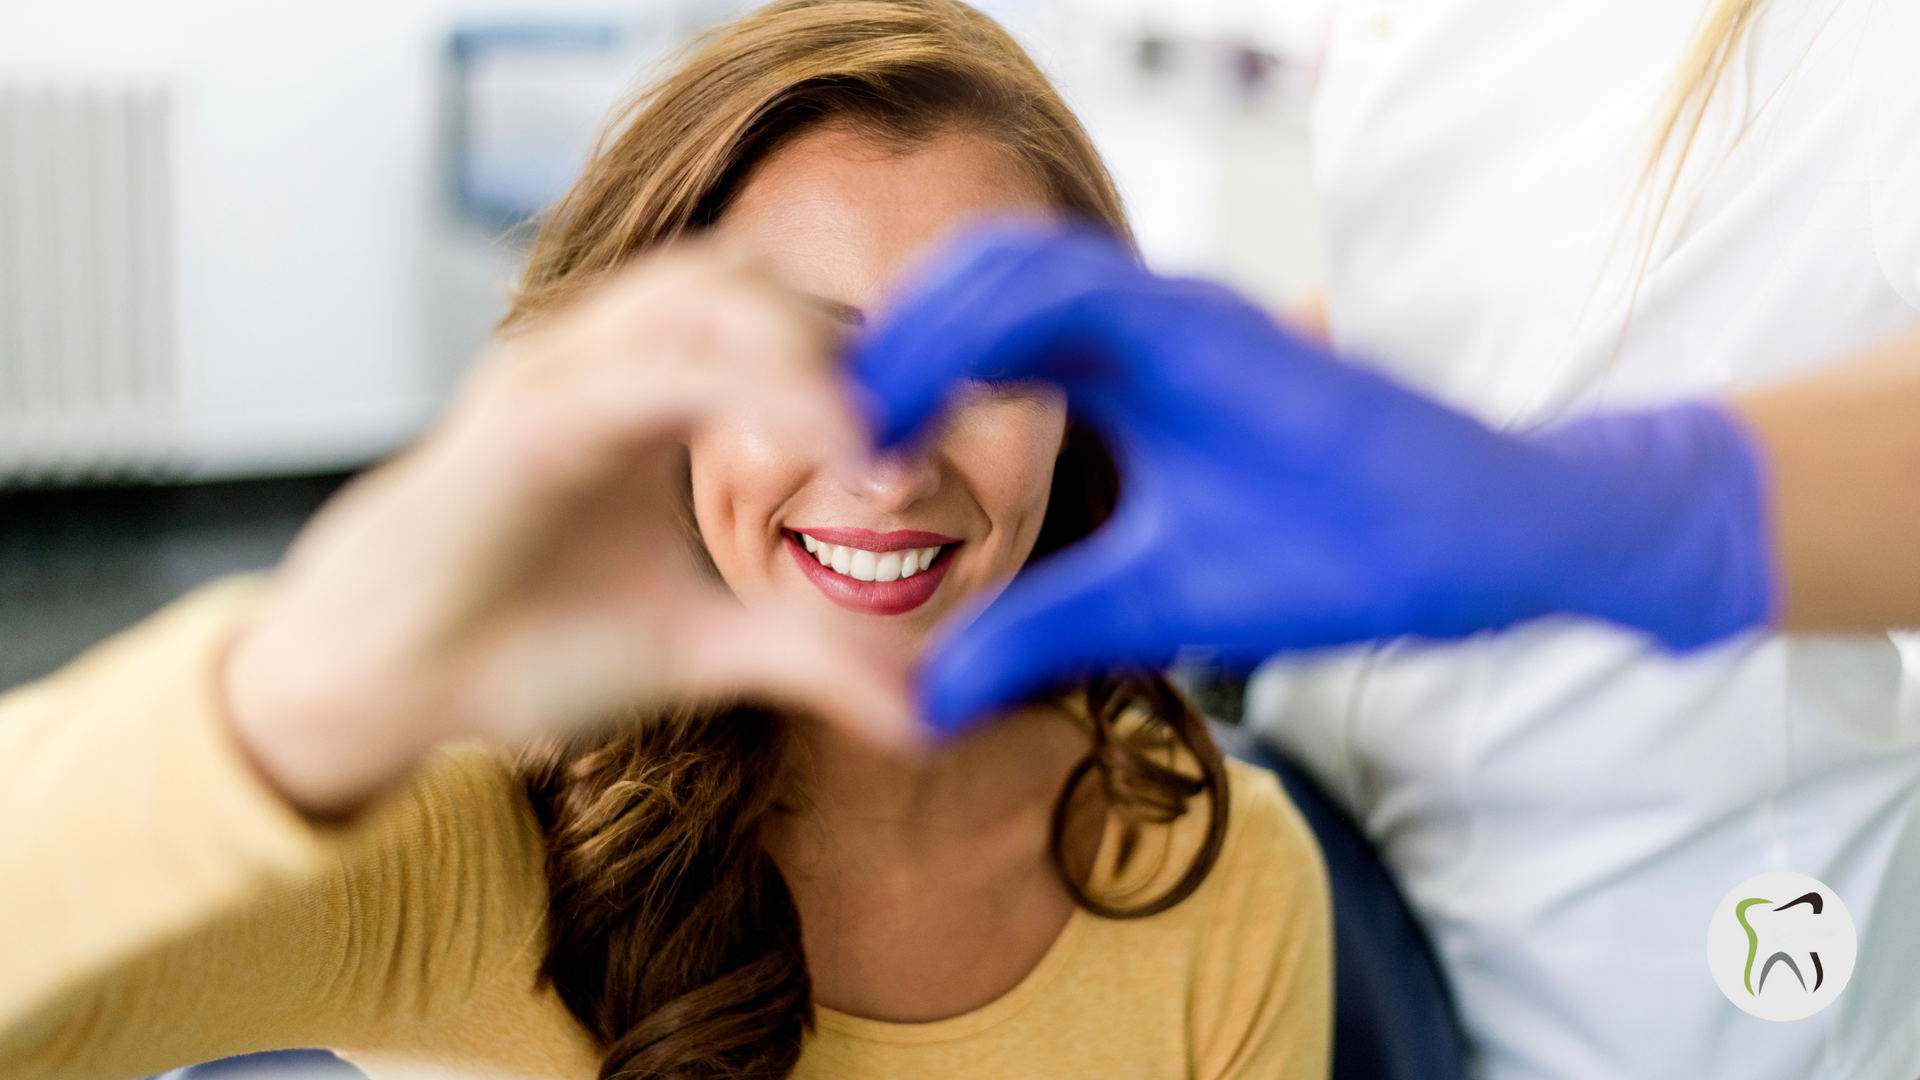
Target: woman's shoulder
(1268, 851)
(1268, 881)
(1235, 980)
(1265, 833)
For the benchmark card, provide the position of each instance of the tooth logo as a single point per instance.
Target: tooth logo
(1781, 946)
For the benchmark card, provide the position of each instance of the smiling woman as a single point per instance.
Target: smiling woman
(639, 548)
(847, 139)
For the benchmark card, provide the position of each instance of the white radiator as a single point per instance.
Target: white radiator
(87, 342)
(225, 247)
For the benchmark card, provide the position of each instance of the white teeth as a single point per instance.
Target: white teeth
(870, 565)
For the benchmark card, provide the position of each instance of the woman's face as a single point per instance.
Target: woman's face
(899, 546)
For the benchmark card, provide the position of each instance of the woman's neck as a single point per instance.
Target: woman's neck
(925, 887)
(1009, 768)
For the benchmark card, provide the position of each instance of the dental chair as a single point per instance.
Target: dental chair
(1393, 1016)
(270, 1065)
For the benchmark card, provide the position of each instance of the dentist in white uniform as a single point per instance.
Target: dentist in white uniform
(1564, 802)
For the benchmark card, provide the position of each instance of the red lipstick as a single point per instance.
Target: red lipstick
(873, 597)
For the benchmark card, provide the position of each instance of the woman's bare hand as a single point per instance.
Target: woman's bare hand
(530, 563)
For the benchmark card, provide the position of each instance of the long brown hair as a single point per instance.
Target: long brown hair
(672, 936)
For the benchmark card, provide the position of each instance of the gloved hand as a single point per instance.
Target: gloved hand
(1276, 498)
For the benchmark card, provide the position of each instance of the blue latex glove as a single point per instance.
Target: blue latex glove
(1275, 498)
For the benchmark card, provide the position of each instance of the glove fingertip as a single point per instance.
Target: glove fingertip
(962, 684)
(896, 383)
(951, 699)
(872, 410)
(947, 713)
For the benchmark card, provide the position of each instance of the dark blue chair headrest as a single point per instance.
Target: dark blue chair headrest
(1393, 1016)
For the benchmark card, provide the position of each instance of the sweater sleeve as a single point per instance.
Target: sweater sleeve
(164, 906)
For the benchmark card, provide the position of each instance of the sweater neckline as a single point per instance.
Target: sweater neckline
(993, 1012)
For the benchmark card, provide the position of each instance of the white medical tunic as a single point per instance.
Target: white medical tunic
(1564, 803)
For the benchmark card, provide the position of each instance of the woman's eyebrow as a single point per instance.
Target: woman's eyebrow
(838, 311)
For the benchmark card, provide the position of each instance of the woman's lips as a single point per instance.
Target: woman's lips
(873, 597)
(868, 540)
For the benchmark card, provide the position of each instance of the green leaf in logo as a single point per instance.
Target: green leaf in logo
(1753, 939)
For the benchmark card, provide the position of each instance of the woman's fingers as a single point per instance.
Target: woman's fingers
(527, 565)
(788, 657)
(594, 666)
(636, 365)
(1000, 303)
(582, 422)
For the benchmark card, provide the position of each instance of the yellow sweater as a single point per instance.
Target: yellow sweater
(160, 906)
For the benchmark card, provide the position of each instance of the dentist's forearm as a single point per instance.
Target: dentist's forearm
(1842, 449)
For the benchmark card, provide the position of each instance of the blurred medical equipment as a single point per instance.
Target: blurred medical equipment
(242, 239)
(1277, 498)
(524, 102)
(1200, 111)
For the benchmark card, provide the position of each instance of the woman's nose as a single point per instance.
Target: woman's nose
(896, 481)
